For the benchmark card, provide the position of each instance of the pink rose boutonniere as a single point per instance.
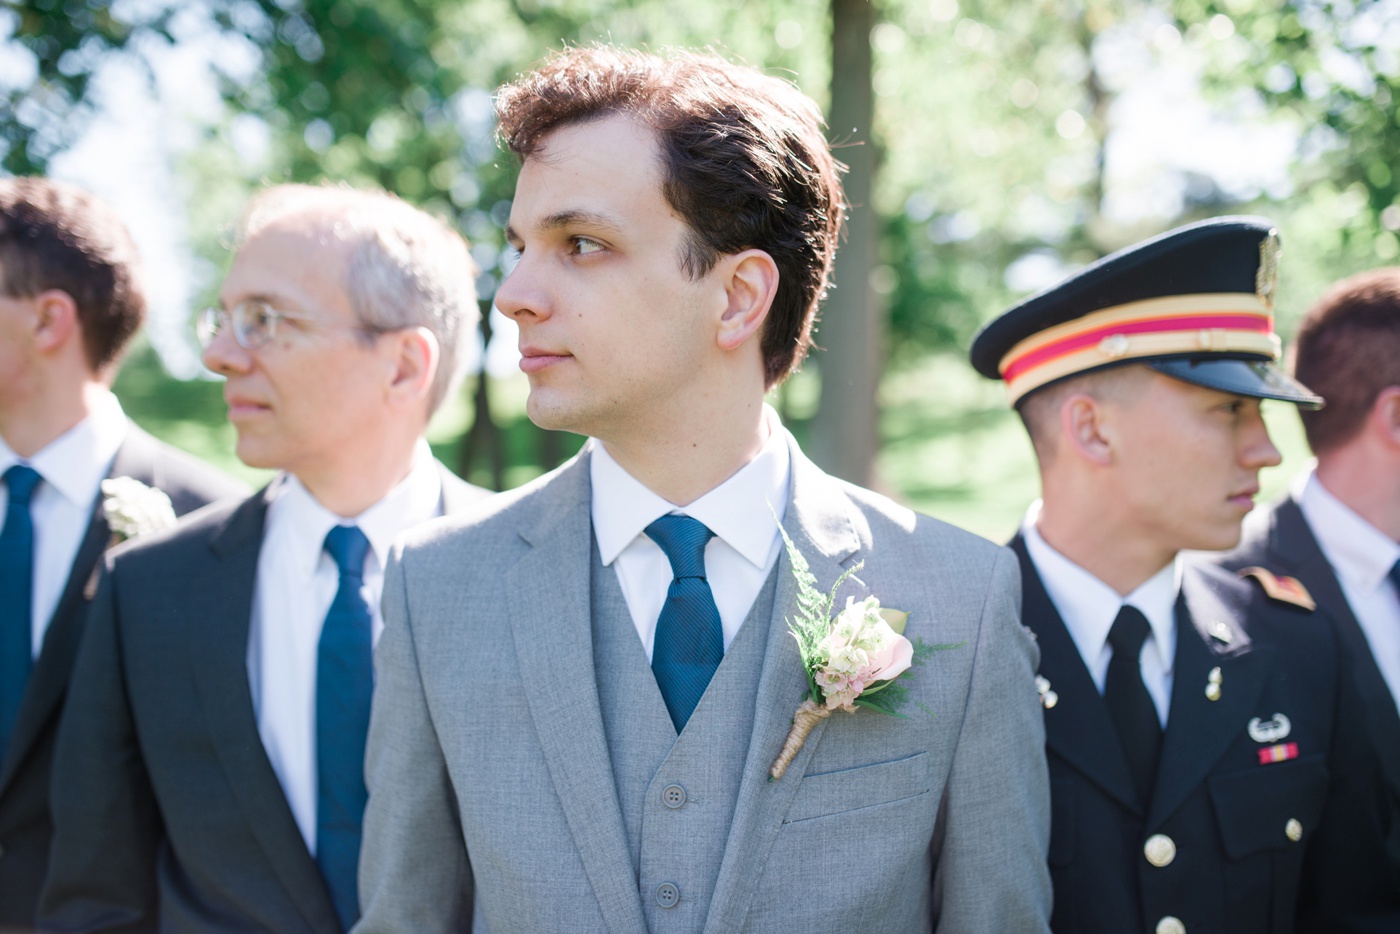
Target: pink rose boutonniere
(854, 658)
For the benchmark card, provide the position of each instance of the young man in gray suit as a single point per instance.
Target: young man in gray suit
(1338, 529)
(582, 688)
(71, 298)
(209, 772)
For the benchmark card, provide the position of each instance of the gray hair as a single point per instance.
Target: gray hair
(406, 268)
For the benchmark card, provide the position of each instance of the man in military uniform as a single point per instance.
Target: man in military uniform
(1208, 763)
(1338, 529)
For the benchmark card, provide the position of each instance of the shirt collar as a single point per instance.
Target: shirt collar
(1361, 551)
(416, 498)
(75, 462)
(1088, 606)
(737, 511)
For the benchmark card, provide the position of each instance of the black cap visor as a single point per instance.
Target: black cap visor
(1259, 379)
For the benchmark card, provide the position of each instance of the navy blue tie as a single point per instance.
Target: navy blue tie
(16, 597)
(344, 686)
(1395, 577)
(689, 638)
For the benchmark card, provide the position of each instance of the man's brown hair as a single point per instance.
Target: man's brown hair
(1347, 350)
(745, 164)
(56, 236)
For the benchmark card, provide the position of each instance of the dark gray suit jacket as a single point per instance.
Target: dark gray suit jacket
(168, 813)
(25, 825)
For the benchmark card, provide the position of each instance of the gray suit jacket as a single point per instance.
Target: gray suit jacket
(168, 815)
(25, 824)
(492, 794)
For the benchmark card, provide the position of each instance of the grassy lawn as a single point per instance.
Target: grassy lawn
(951, 446)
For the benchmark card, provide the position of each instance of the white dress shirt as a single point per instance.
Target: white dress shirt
(1089, 606)
(737, 560)
(1362, 556)
(73, 466)
(296, 583)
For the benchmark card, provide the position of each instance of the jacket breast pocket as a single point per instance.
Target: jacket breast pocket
(1268, 807)
(865, 786)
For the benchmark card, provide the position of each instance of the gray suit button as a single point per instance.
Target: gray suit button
(673, 796)
(667, 895)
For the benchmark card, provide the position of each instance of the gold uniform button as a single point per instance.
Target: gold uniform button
(1160, 850)
(1293, 830)
(1170, 925)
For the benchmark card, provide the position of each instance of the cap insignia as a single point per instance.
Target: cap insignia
(1266, 280)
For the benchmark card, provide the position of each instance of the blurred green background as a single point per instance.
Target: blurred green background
(993, 147)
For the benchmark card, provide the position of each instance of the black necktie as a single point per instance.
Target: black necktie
(1395, 577)
(1130, 707)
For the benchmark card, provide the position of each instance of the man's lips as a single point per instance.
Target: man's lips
(536, 359)
(242, 406)
(1245, 497)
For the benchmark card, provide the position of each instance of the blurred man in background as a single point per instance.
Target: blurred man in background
(209, 772)
(71, 298)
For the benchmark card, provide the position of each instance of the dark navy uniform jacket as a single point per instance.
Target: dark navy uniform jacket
(1266, 815)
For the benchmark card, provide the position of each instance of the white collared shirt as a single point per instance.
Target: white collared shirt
(1089, 606)
(73, 466)
(296, 583)
(737, 560)
(1362, 556)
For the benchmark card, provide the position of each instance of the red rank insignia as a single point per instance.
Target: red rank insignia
(1280, 753)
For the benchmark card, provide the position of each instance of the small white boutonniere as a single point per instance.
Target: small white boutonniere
(852, 659)
(132, 509)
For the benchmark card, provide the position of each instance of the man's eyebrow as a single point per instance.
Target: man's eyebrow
(573, 217)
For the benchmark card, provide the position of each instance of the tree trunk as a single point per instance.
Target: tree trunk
(845, 432)
(484, 437)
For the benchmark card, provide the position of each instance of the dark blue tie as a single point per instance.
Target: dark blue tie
(16, 597)
(344, 685)
(689, 638)
(1395, 577)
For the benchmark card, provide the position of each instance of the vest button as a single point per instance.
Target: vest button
(667, 895)
(673, 796)
(1160, 850)
(1170, 925)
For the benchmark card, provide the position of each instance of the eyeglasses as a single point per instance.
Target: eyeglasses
(255, 323)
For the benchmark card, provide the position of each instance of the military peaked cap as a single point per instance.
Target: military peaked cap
(1195, 303)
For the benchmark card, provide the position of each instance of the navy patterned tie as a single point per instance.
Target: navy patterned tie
(16, 597)
(344, 686)
(1130, 707)
(689, 638)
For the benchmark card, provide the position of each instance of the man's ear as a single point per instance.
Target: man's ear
(413, 364)
(1385, 415)
(1087, 429)
(55, 320)
(751, 282)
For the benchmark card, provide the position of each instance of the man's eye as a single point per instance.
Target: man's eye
(584, 246)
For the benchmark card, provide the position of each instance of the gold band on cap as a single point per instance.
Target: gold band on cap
(1220, 323)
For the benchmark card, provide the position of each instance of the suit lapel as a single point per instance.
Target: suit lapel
(1294, 548)
(1199, 729)
(219, 610)
(549, 596)
(1077, 728)
(819, 521)
(49, 680)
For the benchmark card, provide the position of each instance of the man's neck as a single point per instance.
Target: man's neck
(681, 466)
(1121, 559)
(47, 413)
(348, 491)
(1367, 485)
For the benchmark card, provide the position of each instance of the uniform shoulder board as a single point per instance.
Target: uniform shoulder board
(1288, 590)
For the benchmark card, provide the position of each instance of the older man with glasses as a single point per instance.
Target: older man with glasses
(209, 772)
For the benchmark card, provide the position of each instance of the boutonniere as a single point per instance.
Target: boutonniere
(855, 658)
(132, 509)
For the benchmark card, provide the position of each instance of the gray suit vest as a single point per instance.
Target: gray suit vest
(677, 793)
